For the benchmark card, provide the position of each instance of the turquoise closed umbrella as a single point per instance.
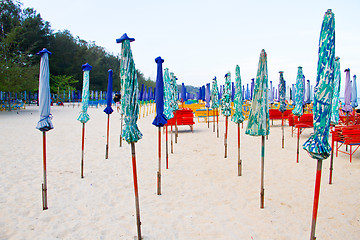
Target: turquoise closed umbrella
(258, 123)
(238, 116)
(299, 94)
(215, 104)
(226, 110)
(84, 116)
(45, 123)
(317, 145)
(282, 108)
(108, 110)
(130, 107)
(167, 107)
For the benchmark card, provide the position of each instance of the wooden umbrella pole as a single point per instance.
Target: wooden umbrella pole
(316, 199)
(107, 138)
(167, 151)
(331, 158)
(298, 142)
(208, 118)
(262, 190)
(159, 171)
(176, 128)
(121, 127)
(282, 129)
(137, 205)
(225, 139)
(82, 150)
(139, 110)
(217, 123)
(171, 139)
(144, 104)
(239, 160)
(44, 185)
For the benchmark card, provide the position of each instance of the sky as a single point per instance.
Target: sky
(202, 39)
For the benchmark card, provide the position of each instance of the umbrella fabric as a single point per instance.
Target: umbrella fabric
(299, 95)
(174, 99)
(282, 93)
(108, 109)
(129, 91)
(207, 95)
(243, 92)
(307, 92)
(84, 116)
(271, 93)
(252, 88)
(225, 101)
(247, 95)
(214, 94)
(167, 95)
(238, 116)
(293, 92)
(347, 107)
(160, 118)
(141, 92)
(354, 102)
(232, 91)
(258, 123)
(317, 145)
(45, 123)
(183, 92)
(198, 96)
(335, 100)
(203, 93)
(144, 94)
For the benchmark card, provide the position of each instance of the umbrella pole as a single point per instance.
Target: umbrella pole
(159, 171)
(262, 190)
(282, 129)
(171, 139)
(239, 160)
(82, 150)
(225, 140)
(121, 127)
(167, 151)
(208, 118)
(331, 158)
(213, 120)
(44, 185)
(217, 122)
(107, 138)
(316, 199)
(298, 142)
(176, 128)
(138, 222)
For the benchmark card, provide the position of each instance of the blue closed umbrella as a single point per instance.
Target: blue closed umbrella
(252, 88)
(354, 102)
(141, 92)
(347, 96)
(183, 92)
(108, 110)
(207, 99)
(232, 91)
(271, 94)
(45, 123)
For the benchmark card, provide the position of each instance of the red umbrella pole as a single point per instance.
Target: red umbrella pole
(82, 150)
(208, 118)
(167, 151)
(225, 140)
(176, 128)
(107, 138)
(262, 190)
(282, 129)
(171, 139)
(121, 127)
(44, 185)
(159, 171)
(298, 142)
(239, 160)
(137, 205)
(316, 199)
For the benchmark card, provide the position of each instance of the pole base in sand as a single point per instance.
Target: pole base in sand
(158, 183)
(107, 152)
(44, 197)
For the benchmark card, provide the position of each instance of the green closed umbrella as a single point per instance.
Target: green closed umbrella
(299, 94)
(130, 107)
(167, 107)
(282, 108)
(238, 116)
(174, 102)
(258, 122)
(215, 103)
(225, 106)
(317, 145)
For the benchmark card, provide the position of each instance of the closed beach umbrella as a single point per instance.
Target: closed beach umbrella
(130, 107)
(347, 95)
(45, 123)
(232, 91)
(183, 92)
(307, 92)
(247, 92)
(207, 99)
(317, 145)
(225, 106)
(174, 102)
(293, 93)
(215, 104)
(84, 116)
(160, 118)
(252, 87)
(238, 116)
(299, 94)
(108, 110)
(258, 123)
(271, 94)
(168, 112)
(282, 108)
(335, 99)
(354, 102)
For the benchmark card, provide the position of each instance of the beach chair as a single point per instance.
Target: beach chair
(348, 136)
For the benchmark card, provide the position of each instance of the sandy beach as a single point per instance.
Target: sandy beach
(202, 196)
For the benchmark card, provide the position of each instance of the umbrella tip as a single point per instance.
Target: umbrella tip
(43, 51)
(347, 70)
(123, 38)
(110, 70)
(159, 60)
(337, 58)
(329, 11)
(86, 67)
(281, 72)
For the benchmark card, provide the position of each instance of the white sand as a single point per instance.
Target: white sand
(202, 196)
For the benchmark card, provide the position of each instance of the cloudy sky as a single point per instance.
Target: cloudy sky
(203, 39)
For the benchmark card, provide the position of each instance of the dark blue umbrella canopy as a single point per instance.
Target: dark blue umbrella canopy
(45, 123)
(183, 92)
(203, 93)
(199, 94)
(141, 92)
(149, 93)
(108, 109)
(354, 102)
(144, 94)
(160, 119)
(207, 95)
(232, 91)
(252, 88)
